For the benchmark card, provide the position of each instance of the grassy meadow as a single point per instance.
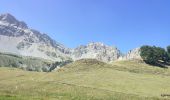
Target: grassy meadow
(87, 80)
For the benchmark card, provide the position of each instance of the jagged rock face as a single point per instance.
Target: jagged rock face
(16, 37)
(132, 55)
(97, 51)
(9, 19)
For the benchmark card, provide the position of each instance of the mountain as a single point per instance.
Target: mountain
(17, 38)
(96, 50)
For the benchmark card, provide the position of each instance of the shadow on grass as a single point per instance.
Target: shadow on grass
(159, 64)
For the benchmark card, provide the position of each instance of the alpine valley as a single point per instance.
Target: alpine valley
(33, 66)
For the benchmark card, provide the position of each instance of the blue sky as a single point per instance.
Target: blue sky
(126, 24)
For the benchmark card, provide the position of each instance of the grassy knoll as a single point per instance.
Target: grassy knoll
(87, 80)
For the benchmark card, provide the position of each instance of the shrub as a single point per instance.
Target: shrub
(153, 54)
(168, 51)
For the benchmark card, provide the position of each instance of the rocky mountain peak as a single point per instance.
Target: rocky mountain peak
(96, 50)
(17, 38)
(8, 18)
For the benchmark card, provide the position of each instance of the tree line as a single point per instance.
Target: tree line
(155, 55)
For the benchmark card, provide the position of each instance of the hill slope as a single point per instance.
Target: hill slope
(87, 80)
(29, 63)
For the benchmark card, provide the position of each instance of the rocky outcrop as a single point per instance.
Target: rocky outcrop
(132, 55)
(97, 51)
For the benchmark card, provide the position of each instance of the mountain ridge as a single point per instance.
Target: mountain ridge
(28, 42)
(20, 39)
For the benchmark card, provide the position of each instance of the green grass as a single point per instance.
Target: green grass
(87, 80)
(140, 67)
(24, 62)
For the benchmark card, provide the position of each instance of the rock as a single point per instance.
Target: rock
(96, 50)
(132, 55)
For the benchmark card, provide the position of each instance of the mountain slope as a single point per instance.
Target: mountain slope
(29, 63)
(16, 37)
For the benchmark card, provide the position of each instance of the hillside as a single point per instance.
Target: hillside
(29, 63)
(87, 79)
